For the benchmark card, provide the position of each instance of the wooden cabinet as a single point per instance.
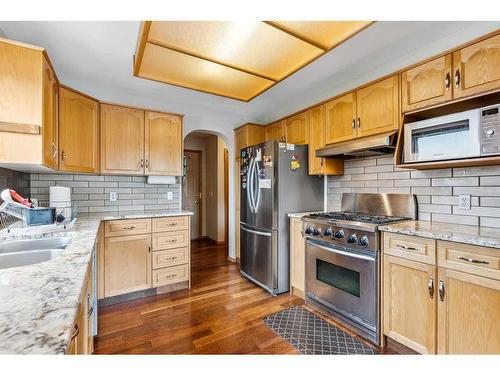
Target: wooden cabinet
(78, 132)
(248, 135)
(427, 84)
(319, 166)
(276, 131)
(297, 129)
(377, 106)
(447, 305)
(28, 106)
(117, 228)
(127, 264)
(476, 68)
(340, 119)
(50, 127)
(468, 314)
(409, 310)
(163, 144)
(297, 258)
(122, 129)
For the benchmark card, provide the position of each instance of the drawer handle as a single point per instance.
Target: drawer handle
(404, 247)
(75, 332)
(447, 81)
(170, 276)
(441, 290)
(430, 286)
(171, 258)
(171, 241)
(129, 228)
(475, 261)
(172, 224)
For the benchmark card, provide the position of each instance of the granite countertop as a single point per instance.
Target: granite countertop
(469, 234)
(39, 302)
(299, 215)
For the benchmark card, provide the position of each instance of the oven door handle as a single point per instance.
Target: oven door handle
(340, 252)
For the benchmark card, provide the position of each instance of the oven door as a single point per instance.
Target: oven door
(343, 281)
(454, 136)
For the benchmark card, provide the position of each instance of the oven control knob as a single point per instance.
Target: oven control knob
(317, 232)
(352, 238)
(328, 232)
(339, 234)
(308, 230)
(363, 241)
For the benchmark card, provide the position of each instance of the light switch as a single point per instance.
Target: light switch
(464, 202)
(113, 196)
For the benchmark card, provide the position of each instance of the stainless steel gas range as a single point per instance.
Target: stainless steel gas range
(343, 257)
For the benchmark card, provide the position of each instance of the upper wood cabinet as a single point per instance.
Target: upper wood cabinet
(340, 119)
(127, 264)
(28, 106)
(78, 132)
(409, 311)
(122, 129)
(476, 68)
(468, 314)
(163, 144)
(377, 106)
(276, 131)
(248, 135)
(297, 129)
(427, 84)
(319, 166)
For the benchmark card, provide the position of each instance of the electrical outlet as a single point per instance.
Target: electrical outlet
(170, 195)
(113, 196)
(464, 202)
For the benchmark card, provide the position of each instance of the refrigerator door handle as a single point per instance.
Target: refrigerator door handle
(256, 232)
(257, 193)
(249, 185)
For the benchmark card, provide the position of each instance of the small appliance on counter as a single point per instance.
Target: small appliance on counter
(343, 257)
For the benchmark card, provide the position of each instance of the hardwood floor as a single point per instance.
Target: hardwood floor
(222, 314)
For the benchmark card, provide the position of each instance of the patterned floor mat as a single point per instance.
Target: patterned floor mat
(312, 335)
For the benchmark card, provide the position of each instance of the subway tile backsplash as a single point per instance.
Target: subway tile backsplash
(91, 193)
(437, 190)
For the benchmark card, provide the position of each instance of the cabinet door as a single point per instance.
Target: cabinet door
(256, 134)
(164, 151)
(316, 139)
(240, 140)
(476, 68)
(377, 107)
(409, 303)
(297, 129)
(468, 314)
(78, 132)
(127, 264)
(275, 131)
(297, 257)
(50, 117)
(122, 140)
(427, 84)
(340, 119)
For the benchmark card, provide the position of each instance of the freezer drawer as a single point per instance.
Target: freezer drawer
(258, 255)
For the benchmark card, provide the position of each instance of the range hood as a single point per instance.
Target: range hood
(375, 145)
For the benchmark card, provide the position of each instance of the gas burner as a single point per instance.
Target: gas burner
(358, 216)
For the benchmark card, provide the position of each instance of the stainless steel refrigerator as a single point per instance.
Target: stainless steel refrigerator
(274, 182)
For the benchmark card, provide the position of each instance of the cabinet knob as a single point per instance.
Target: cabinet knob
(354, 123)
(142, 163)
(63, 155)
(359, 122)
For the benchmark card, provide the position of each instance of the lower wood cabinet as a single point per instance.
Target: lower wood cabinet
(448, 307)
(127, 264)
(297, 258)
(409, 312)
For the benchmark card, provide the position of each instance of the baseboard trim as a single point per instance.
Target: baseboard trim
(234, 260)
(172, 287)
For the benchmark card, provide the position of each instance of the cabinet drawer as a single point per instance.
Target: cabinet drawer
(168, 258)
(170, 275)
(472, 259)
(410, 247)
(116, 228)
(170, 240)
(166, 224)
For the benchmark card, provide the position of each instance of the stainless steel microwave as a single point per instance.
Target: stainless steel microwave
(462, 135)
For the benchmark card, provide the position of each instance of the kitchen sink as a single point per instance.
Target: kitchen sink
(26, 252)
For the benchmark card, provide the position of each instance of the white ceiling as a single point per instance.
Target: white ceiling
(96, 58)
